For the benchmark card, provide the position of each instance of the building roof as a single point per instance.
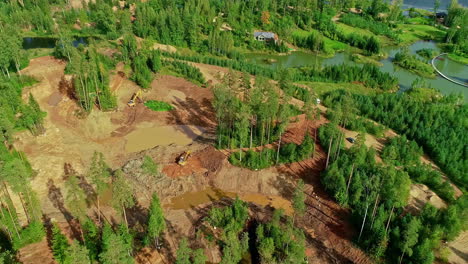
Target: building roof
(268, 35)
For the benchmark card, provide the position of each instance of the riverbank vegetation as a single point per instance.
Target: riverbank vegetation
(457, 34)
(414, 64)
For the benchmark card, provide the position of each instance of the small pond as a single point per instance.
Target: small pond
(48, 43)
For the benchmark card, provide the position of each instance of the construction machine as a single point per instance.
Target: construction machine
(135, 96)
(182, 160)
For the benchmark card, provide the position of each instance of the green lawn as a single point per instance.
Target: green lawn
(413, 33)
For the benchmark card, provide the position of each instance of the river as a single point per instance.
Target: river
(450, 68)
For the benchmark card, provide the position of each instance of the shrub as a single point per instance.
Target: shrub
(158, 105)
(149, 166)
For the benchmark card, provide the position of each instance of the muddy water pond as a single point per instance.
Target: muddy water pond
(450, 68)
(148, 137)
(193, 199)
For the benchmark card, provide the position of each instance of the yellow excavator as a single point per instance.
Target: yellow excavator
(182, 160)
(134, 98)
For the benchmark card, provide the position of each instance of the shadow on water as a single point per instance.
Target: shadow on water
(48, 43)
(251, 257)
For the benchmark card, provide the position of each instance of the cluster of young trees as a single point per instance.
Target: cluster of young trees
(367, 22)
(353, 121)
(288, 153)
(368, 74)
(275, 241)
(31, 15)
(15, 171)
(90, 70)
(11, 55)
(143, 61)
(248, 115)
(377, 195)
(185, 69)
(279, 242)
(325, 24)
(186, 255)
(313, 41)
(457, 35)
(399, 151)
(437, 125)
(100, 241)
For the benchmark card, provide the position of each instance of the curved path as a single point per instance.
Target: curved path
(443, 75)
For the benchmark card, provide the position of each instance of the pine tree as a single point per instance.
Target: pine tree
(156, 221)
(77, 254)
(198, 256)
(183, 252)
(92, 238)
(299, 198)
(122, 194)
(115, 251)
(75, 198)
(59, 244)
(99, 174)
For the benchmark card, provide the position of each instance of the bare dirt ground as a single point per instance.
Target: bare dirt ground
(127, 134)
(459, 249)
(72, 140)
(420, 194)
(36, 253)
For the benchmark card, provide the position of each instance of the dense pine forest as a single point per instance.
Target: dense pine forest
(254, 107)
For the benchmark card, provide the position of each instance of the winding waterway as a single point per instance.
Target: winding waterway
(452, 69)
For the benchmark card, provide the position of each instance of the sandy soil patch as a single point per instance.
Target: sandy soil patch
(420, 194)
(36, 253)
(163, 47)
(459, 249)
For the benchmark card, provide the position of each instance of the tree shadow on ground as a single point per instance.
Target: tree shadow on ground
(56, 197)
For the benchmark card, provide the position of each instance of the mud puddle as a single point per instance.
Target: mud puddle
(149, 137)
(193, 199)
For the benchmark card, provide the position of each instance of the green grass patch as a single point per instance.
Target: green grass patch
(320, 88)
(158, 105)
(413, 33)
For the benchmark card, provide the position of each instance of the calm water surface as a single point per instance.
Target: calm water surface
(450, 68)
